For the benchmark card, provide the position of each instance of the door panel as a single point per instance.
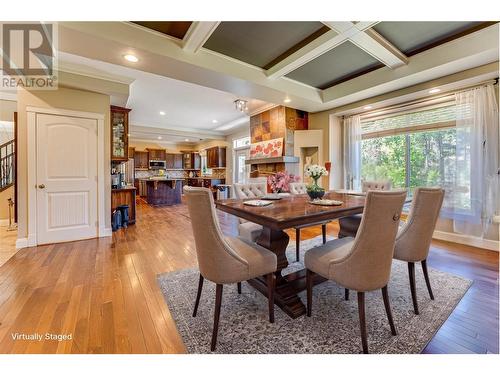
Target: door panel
(66, 178)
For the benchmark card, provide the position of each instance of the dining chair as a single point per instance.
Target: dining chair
(362, 263)
(301, 188)
(348, 226)
(222, 259)
(246, 229)
(414, 238)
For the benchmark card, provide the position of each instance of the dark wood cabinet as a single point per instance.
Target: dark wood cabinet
(119, 133)
(191, 160)
(131, 152)
(216, 157)
(156, 154)
(141, 160)
(178, 161)
(124, 196)
(170, 160)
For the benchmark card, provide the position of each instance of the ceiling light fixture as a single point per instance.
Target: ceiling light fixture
(214, 121)
(131, 58)
(287, 100)
(241, 105)
(162, 113)
(187, 140)
(367, 107)
(159, 137)
(433, 91)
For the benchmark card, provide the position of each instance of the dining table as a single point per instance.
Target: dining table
(286, 213)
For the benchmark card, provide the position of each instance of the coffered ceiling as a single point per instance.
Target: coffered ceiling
(312, 65)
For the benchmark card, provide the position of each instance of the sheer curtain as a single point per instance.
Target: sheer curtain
(477, 159)
(352, 152)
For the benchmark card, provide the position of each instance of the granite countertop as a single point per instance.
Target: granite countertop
(161, 179)
(124, 188)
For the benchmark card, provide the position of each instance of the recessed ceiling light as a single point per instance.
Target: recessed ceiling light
(162, 113)
(128, 135)
(215, 121)
(187, 140)
(131, 58)
(433, 91)
(159, 137)
(367, 107)
(287, 100)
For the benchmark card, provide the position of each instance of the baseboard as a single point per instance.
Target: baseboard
(105, 232)
(467, 240)
(29, 241)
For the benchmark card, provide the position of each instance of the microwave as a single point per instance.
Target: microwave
(157, 164)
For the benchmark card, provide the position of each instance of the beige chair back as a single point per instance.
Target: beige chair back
(375, 185)
(298, 188)
(368, 265)
(250, 190)
(414, 240)
(216, 259)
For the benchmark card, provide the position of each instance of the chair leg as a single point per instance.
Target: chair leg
(323, 232)
(297, 244)
(239, 288)
(198, 295)
(309, 285)
(346, 294)
(411, 274)
(362, 321)
(271, 284)
(426, 276)
(218, 302)
(388, 311)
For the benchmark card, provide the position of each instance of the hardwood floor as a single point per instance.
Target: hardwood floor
(104, 292)
(7, 244)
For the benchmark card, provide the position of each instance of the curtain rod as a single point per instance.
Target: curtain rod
(442, 96)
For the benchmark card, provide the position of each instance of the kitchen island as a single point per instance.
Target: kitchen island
(163, 191)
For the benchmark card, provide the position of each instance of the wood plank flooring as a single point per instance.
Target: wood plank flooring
(104, 292)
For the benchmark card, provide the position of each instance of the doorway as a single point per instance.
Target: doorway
(241, 170)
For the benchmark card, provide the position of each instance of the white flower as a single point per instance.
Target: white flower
(315, 171)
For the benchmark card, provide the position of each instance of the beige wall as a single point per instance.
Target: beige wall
(63, 98)
(319, 121)
(7, 109)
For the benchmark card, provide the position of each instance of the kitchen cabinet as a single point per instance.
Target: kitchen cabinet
(170, 161)
(141, 160)
(124, 196)
(156, 154)
(131, 152)
(216, 157)
(191, 160)
(119, 133)
(178, 161)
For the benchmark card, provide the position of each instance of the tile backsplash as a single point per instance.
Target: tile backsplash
(216, 173)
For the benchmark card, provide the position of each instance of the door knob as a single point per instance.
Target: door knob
(41, 186)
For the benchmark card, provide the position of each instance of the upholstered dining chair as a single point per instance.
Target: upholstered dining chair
(300, 188)
(225, 260)
(414, 238)
(362, 263)
(246, 229)
(349, 225)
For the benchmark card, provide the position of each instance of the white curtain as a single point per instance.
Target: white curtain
(477, 160)
(352, 152)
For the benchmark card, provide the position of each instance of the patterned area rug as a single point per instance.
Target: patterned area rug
(334, 326)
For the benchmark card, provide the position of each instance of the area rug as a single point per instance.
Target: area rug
(334, 325)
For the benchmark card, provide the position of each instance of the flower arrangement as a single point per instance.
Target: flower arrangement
(280, 181)
(315, 171)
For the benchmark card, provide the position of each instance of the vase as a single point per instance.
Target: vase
(315, 191)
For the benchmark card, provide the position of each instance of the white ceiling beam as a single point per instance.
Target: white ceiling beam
(468, 52)
(363, 25)
(197, 35)
(376, 45)
(309, 52)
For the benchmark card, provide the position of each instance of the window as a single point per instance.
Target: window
(416, 149)
(241, 142)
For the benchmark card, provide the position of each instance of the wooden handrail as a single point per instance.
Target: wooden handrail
(7, 160)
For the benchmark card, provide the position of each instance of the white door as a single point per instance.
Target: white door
(66, 178)
(241, 170)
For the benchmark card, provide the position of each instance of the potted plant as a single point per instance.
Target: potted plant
(315, 171)
(280, 182)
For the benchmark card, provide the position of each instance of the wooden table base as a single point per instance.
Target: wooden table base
(287, 287)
